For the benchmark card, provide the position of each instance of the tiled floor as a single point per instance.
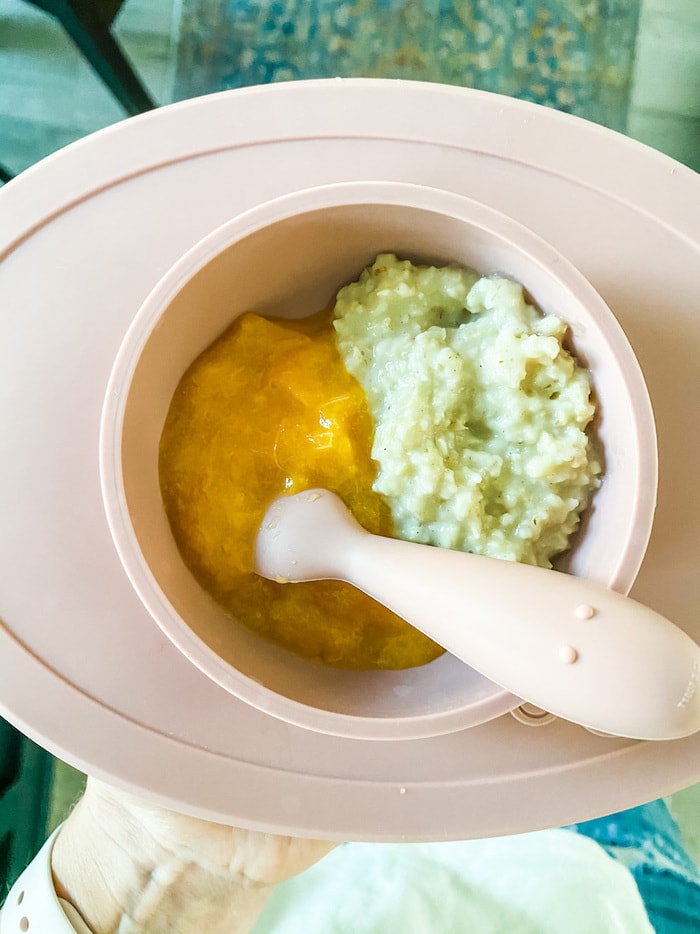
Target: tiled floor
(665, 111)
(49, 97)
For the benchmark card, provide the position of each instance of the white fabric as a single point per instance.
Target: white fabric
(549, 882)
(32, 904)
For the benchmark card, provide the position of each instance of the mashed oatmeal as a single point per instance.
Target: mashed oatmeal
(480, 413)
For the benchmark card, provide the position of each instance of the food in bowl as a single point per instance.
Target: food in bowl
(439, 404)
(480, 412)
(284, 259)
(269, 408)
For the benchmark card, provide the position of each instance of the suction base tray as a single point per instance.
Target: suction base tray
(87, 233)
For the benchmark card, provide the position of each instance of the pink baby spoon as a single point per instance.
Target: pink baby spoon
(570, 646)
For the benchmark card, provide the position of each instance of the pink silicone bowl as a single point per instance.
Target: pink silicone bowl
(288, 257)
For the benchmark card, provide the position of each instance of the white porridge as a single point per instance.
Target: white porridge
(480, 412)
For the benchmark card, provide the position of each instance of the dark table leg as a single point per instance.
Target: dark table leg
(88, 23)
(104, 53)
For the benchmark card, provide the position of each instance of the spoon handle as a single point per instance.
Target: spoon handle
(566, 644)
(577, 649)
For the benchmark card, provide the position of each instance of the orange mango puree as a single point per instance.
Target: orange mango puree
(269, 408)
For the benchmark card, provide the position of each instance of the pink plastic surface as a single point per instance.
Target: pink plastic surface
(84, 237)
(288, 257)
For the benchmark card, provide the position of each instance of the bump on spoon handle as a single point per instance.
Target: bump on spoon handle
(572, 647)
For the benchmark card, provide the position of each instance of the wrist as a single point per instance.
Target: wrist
(131, 870)
(99, 864)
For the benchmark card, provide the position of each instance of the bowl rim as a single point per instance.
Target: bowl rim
(146, 319)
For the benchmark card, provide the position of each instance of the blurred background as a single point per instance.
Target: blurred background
(70, 67)
(632, 65)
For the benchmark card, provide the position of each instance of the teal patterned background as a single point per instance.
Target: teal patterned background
(575, 55)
